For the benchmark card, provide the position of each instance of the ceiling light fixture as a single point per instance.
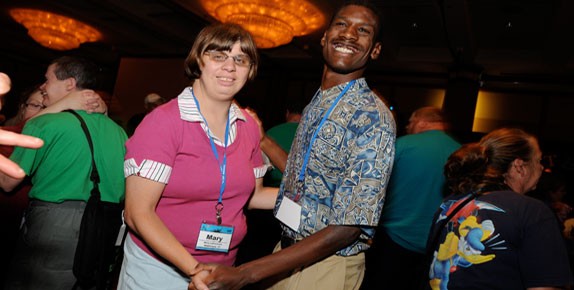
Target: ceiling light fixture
(53, 30)
(271, 22)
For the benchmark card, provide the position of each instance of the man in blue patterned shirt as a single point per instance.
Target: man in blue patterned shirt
(335, 180)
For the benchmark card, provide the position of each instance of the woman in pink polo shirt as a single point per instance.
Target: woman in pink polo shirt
(192, 165)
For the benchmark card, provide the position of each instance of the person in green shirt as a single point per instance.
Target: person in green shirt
(283, 134)
(60, 176)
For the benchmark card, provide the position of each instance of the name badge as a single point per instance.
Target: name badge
(212, 237)
(289, 213)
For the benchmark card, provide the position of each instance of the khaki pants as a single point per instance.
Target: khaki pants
(333, 273)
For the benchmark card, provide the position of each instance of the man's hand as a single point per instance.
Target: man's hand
(220, 277)
(10, 138)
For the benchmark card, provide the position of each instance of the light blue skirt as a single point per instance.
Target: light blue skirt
(140, 271)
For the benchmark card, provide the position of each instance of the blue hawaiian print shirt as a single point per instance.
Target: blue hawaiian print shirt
(349, 165)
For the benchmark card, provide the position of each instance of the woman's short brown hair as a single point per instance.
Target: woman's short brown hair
(220, 37)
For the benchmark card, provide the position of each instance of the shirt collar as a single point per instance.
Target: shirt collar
(359, 83)
(188, 110)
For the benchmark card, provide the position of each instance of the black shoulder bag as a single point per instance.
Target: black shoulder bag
(96, 251)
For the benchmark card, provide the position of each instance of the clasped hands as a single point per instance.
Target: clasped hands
(88, 100)
(214, 276)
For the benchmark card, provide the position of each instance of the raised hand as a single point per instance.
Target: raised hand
(10, 138)
(87, 100)
(94, 102)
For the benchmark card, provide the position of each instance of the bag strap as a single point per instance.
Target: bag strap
(434, 241)
(94, 175)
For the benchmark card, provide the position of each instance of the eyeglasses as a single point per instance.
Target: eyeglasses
(242, 60)
(36, 107)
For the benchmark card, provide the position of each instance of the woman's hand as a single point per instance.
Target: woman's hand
(198, 280)
(220, 277)
(87, 100)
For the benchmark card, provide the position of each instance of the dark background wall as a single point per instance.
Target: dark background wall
(128, 80)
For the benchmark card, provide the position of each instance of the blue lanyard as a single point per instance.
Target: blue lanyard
(306, 160)
(222, 164)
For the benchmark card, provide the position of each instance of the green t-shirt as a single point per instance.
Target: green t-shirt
(60, 170)
(283, 135)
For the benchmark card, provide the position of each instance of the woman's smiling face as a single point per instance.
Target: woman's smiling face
(224, 79)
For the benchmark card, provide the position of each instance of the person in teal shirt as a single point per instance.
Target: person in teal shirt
(415, 191)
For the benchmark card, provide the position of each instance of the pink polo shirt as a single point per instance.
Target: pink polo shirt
(172, 147)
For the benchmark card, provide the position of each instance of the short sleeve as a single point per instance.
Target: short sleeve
(259, 168)
(152, 150)
(27, 158)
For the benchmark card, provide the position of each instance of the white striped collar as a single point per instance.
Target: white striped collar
(188, 109)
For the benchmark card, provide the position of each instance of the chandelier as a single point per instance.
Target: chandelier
(271, 22)
(55, 31)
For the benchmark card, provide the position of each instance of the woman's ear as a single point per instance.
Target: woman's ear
(518, 166)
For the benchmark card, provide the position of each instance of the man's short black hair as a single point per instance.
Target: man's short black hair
(369, 5)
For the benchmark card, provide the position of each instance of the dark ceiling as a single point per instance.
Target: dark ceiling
(509, 43)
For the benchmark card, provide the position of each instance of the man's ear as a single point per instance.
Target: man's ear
(376, 51)
(323, 40)
(423, 124)
(70, 84)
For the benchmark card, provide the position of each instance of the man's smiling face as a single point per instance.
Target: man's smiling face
(349, 42)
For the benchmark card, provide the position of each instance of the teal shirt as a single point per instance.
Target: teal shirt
(60, 170)
(416, 187)
(283, 135)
